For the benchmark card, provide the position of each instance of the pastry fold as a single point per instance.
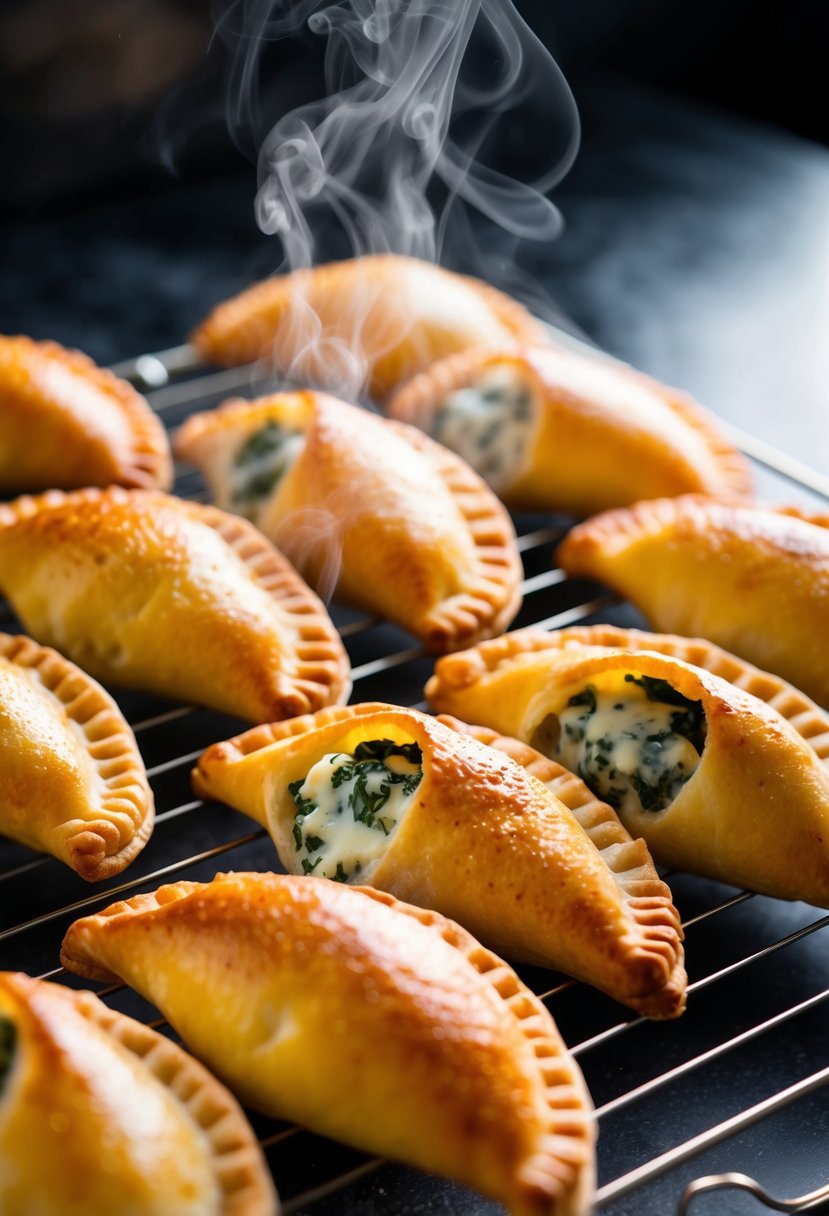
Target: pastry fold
(377, 320)
(553, 430)
(402, 526)
(751, 577)
(174, 597)
(482, 842)
(755, 810)
(365, 1019)
(102, 1116)
(65, 423)
(72, 782)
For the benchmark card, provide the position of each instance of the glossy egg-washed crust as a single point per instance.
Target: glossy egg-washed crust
(77, 1063)
(174, 597)
(365, 1019)
(755, 813)
(592, 447)
(416, 535)
(72, 782)
(483, 843)
(66, 423)
(751, 577)
(391, 315)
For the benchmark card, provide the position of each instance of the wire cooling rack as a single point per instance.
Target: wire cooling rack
(724, 1111)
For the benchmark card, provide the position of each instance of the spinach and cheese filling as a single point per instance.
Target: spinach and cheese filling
(489, 424)
(260, 464)
(349, 805)
(8, 1042)
(635, 745)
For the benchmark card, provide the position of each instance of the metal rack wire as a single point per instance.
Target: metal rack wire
(679, 1105)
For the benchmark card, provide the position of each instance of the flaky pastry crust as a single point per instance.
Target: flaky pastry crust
(751, 577)
(66, 423)
(483, 843)
(72, 782)
(403, 526)
(755, 813)
(101, 1115)
(365, 1019)
(384, 317)
(178, 598)
(604, 435)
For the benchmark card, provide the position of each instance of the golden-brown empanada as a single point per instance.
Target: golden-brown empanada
(72, 782)
(365, 1019)
(751, 577)
(180, 599)
(65, 423)
(376, 319)
(713, 778)
(553, 430)
(405, 528)
(101, 1116)
(388, 796)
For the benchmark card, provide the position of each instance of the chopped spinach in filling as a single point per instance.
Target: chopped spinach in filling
(634, 746)
(261, 462)
(489, 424)
(8, 1044)
(349, 804)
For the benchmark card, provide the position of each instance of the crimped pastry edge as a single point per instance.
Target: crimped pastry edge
(241, 1173)
(321, 670)
(112, 748)
(150, 465)
(565, 1180)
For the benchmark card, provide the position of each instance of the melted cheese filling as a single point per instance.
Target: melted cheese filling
(489, 424)
(260, 464)
(348, 807)
(634, 746)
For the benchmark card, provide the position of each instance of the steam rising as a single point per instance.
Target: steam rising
(419, 93)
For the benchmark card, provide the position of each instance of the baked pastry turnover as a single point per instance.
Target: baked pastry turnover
(174, 597)
(383, 317)
(715, 779)
(387, 796)
(552, 430)
(751, 577)
(66, 423)
(102, 1116)
(72, 782)
(364, 1019)
(404, 526)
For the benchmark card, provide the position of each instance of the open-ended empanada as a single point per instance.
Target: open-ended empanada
(402, 526)
(388, 796)
(174, 597)
(752, 577)
(365, 1019)
(374, 320)
(101, 1116)
(65, 423)
(553, 430)
(714, 779)
(72, 782)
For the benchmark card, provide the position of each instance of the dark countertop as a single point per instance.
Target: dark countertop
(696, 246)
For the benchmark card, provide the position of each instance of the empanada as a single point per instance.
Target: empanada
(753, 578)
(714, 779)
(552, 430)
(404, 526)
(387, 796)
(72, 782)
(101, 1116)
(378, 319)
(365, 1019)
(170, 596)
(65, 423)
